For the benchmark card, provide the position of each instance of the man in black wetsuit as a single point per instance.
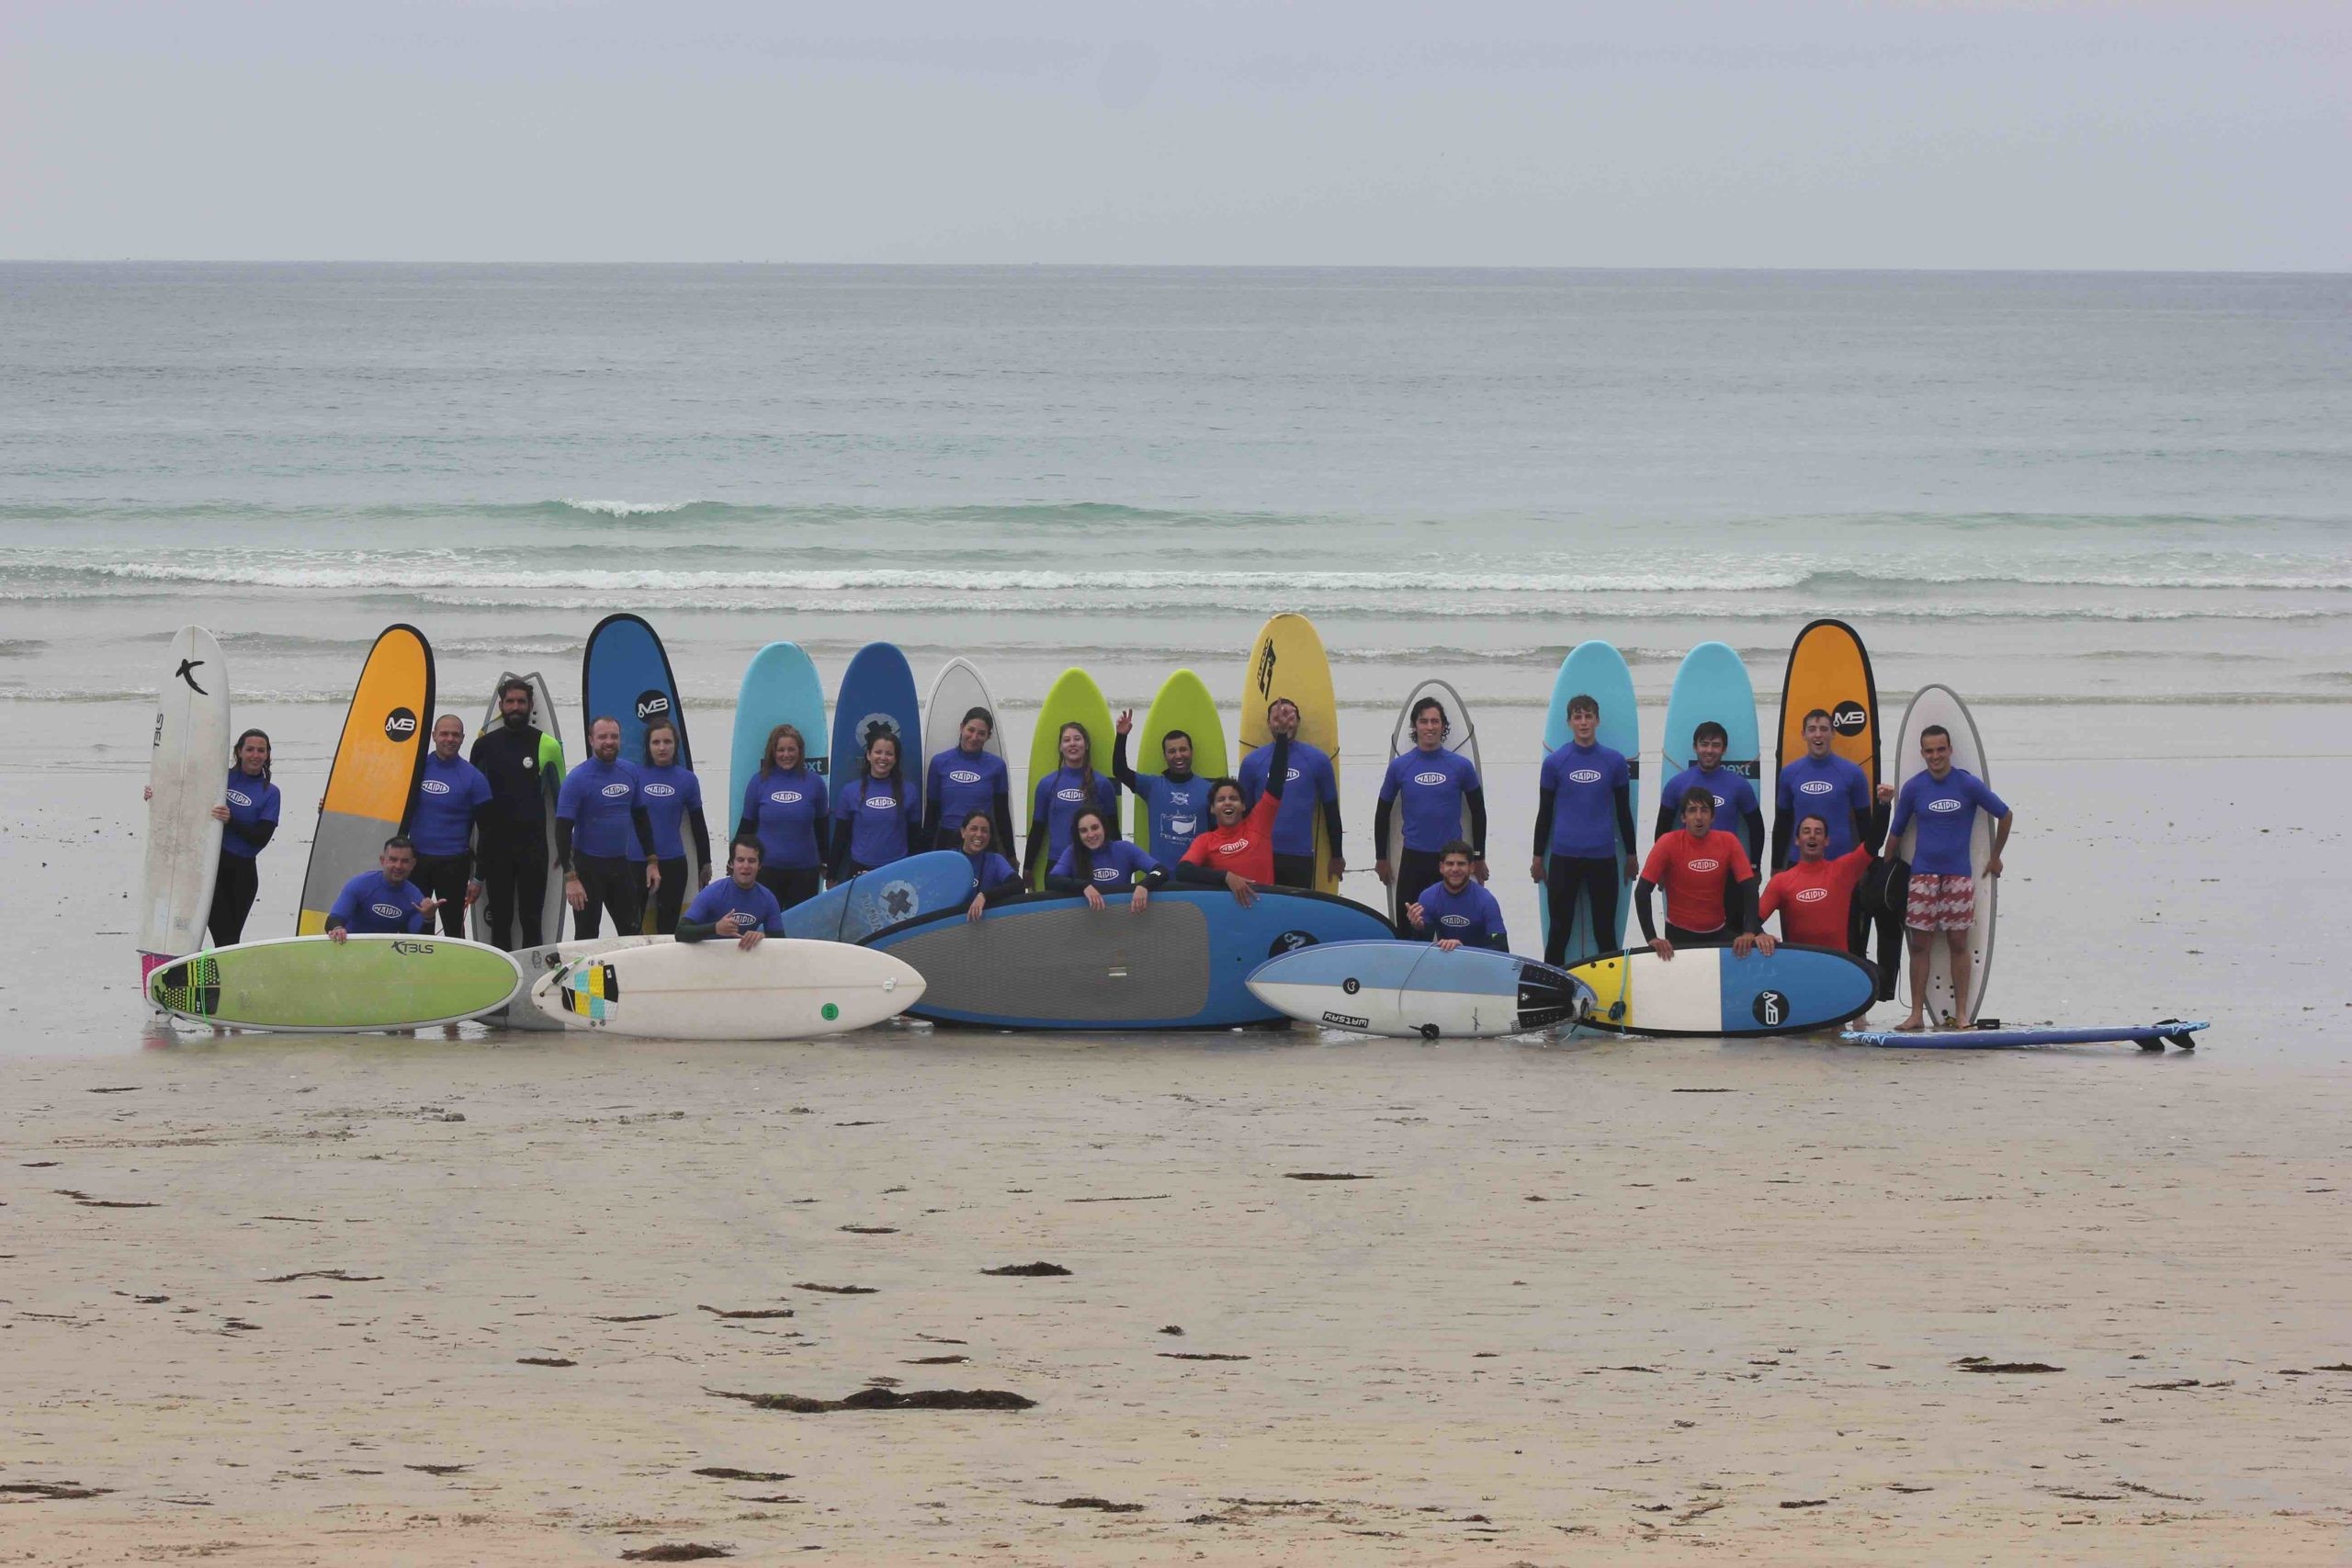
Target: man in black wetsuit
(524, 767)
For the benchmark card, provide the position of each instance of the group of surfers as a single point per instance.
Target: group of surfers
(480, 825)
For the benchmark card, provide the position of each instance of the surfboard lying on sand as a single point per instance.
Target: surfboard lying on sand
(1047, 961)
(2147, 1036)
(1712, 991)
(1411, 989)
(780, 990)
(187, 773)
(534, 962)
(312, 984)
(875, 900)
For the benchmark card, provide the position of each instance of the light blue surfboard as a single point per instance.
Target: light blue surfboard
(2147, 1036)
(1714, 684)
(1597, 671)
(880, 898)
(878, 694)
(780, 686)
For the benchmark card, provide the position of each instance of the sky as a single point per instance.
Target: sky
(1765, 133)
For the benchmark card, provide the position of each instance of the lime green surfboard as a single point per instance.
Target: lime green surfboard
(309, 985)
(1074, 699)
(1184, 704)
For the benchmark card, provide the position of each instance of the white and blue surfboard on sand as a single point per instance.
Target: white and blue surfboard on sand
(1713, 683)
(1411, 988)
(878, 696)
(1713, 992)
(780, 686)
(878, 899)
(2147, 1036)
(1597, 671)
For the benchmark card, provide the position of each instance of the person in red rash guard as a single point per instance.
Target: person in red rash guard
(1239, 851)
(1815, 896)
(1710, 886)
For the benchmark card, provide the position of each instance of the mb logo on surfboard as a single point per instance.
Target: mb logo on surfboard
(1771, 1008)
(651, 705)
(400, 724)
(1850, 718)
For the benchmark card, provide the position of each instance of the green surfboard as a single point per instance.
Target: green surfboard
(1184, 704)
(309, 984)
(1073, 699)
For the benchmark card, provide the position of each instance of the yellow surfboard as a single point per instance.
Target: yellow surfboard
(376, 763)
(1184, 704)
(1074, 698)
(1288, 661)
(1829, 669)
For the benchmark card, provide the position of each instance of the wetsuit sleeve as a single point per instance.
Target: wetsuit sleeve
(258, 834)
(563, 843)
(1106, 796)
(1755, 833)
(1781, 834)
(1642, 908)
(701, 826)
(837, 854)
(1624, 793)
(1192, 871)
(1331, 823)
(644, 825)
(1119, 769)
(1278, 768)
(1002, 811)
(1873, 836)
(1545, 804)
(1381, 813)
(1476, 800)
(698, 931)
(931, 777)
(747, 821)
(1063, 884)
(1664, 823)
(1745, 892)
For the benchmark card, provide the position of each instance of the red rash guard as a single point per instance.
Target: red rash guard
(1698, 875)
(1816, 898)
(1247, 847)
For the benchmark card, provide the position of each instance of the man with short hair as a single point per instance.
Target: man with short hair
(1944, 801)
(1584, 821)
(382, 902)
(735, 907)
(1814, 897)
(1176, 798)
(1710, 886)
(451, 803)
(525, 768)
(1818, 780)
(1312, 786)
(602, 804)
(1456, 911)
(1734, 796)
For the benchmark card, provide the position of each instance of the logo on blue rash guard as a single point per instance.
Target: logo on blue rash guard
(1184, 826)
(614, 790)
(389, 912)
(1430, 778)
(660, 791)
(1069, 795)
(237, 797)
(433, 786)
(1107, 873)
(1290, 775)
(962, 775)
(1947, 805)
(1453, 919)
(785, 798)
(1585, 775)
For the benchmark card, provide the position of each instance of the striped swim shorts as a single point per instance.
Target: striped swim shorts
(1941, 903)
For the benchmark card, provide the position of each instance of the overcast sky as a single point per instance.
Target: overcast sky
(1755, 133)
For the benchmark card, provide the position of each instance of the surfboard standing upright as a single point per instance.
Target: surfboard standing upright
(1288, 661)
(957, 691)
(374, 773)
(1712, 683)
(625, 675)
(1183, 702)
(1830, 669)
(1463, 737)
(1073, 698)
(545, 720)
(780, 686)
(188, 774)
(1934, 705)
(877, 697)
(1597, 671)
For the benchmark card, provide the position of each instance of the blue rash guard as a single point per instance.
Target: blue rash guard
(723, 899)
(1583, 781)
(1116, 865)
(990, 870)
(1429, 786)
(1058, 795)
(598, 798)
(669, 793)
(1470, 917)
(1947, 813)
(372, 903)
(784, 811)
(1833, 789)
(1735, 804)
(880, 819)
(964, 783)
(1178, 807)
(252, 802)
(441, 821)
(1309, 766)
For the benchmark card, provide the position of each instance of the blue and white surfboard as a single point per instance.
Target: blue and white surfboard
(903, 890)
(1411, 989)
(1712, 991)
(2147, 1036)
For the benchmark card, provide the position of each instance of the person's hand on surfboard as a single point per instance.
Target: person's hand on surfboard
(1663, 948)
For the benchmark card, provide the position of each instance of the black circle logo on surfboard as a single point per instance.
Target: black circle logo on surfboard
(400, 725)
(1771, 1008)
(1850, 719)
(1352, 985)
(652, 705)
(1289, 941)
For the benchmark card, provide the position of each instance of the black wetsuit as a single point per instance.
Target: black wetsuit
(512, 841)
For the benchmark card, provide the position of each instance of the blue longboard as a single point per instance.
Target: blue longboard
(877, 694)
(2147, 1036)
(780, 686)
(1714, 684)
(1047, 961)
(1597, 671)
(625, 675)
(878, 899)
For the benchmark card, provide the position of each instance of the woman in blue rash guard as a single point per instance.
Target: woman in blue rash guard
(1095, 861)
(874, 817)
(784, 808)
(993, 876)
(1431, 785)
(674, 804)
(248, 820)
(967, 779)
(1059, 794)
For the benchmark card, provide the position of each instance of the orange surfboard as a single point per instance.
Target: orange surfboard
(376, 763)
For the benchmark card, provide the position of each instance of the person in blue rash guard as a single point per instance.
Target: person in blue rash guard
(672, 804)
(1456, 911)
(968, 779)
(1177, 797)
(248, 819)
(1312, 787)
(382, 902)
(1820, 783)
(1096, 862)
(1431, 785)
(1584, 818)
(1734, 797)
(451, 801)
(874, 814)
(736, 906)
(783, 810)
(993, 876)
(1945, 801)
(1059, 794)
(601, 803)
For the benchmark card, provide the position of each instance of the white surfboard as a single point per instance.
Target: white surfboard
(1461, 735)
(957, 691)
(1941, 704)
(187, 771)
(782, 989)
(535, 962)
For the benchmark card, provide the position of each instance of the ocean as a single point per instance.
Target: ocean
(2051, 492)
